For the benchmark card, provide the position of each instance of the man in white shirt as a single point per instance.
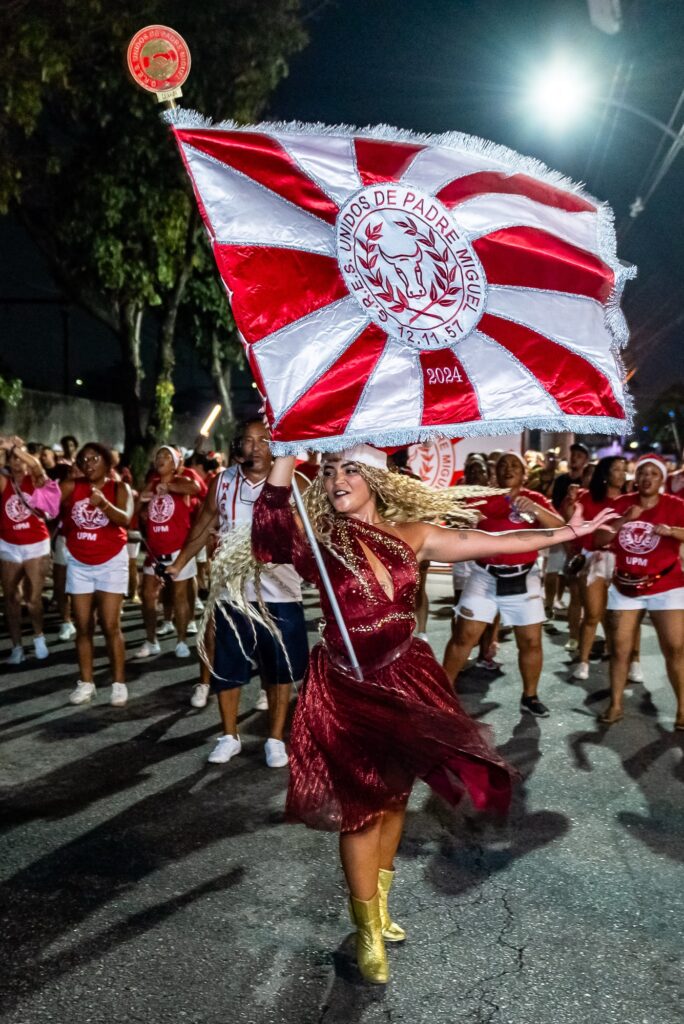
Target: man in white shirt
(230, 502)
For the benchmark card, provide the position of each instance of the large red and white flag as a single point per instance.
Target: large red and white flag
(390, 287)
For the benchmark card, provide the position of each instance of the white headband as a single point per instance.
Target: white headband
(363, 453)
(644, 460)
(174, 454)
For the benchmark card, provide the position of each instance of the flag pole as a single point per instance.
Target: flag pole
(327, 583)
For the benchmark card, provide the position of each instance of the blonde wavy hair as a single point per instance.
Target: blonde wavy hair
(400, 499)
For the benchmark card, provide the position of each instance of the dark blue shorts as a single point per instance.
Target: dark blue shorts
(232, 668)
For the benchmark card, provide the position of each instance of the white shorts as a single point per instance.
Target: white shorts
(667, 601)
(555, 558)
(188, 572)
(201, 555)
(479, 600)
(460, 573)
(109, 577)
(600, 566)
(19, 553)
(59, 555)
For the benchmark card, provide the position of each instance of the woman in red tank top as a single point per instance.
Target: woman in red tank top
(24, 540)
(96, 511)
(165, 508)
(648, 577)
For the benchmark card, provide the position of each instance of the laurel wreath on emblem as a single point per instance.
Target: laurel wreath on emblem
(440, 295)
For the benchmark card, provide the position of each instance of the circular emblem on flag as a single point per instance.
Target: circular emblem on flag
(410, 266)
(16, 509)
(434, 463)
(638, 537)
(161, 508)
(87, 516)
(158, 58)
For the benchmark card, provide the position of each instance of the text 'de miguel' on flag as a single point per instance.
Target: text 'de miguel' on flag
(390, 287)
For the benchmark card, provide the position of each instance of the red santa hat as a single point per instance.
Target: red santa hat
(655, 460)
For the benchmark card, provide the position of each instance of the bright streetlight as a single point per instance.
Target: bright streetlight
(560, 93)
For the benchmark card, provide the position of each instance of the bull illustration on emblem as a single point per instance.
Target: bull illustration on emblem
(16, 509)
(87, 516)
(638, 537)
(408, 269)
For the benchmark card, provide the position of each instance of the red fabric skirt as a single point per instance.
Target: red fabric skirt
(356, 747)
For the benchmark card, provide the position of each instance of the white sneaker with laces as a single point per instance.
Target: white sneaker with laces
(276, 754)
(67, 631)
(16, 656)
(82, 693)
(261, 703)
(226, 747)
(200, 695)
(582, 671)
(147, 650)
(636, 673)
(571, 646)
(166, 628)
(182, 650)
(40, 648)
(192, 628)
(199, 606)
(119, 696)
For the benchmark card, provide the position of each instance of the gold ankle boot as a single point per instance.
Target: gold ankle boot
(391, 931)
(370, 945)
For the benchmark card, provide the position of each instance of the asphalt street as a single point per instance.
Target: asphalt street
(140, 883)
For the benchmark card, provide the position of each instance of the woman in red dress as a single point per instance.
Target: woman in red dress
(356, 747)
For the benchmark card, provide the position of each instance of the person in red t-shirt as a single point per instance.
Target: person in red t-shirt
(96, 512)
(607, 483)
(24, 540)
(508, 584)
(648, 577)
(165, 508)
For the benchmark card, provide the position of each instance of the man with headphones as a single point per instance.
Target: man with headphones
(230, 502)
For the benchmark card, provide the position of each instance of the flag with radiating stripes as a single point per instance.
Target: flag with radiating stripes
(390, 288)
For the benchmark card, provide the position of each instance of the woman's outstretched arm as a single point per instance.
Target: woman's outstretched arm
(444, 545)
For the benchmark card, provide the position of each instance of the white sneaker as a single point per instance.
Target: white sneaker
(276, 754)
(261, 703)
(226, 747)
(67, 631)
(200, 695)
(17, 656)
(571, 646)
(119, 696)
(40, 648)
(166, 628)
(147, 650)
(582, 671)
(182, 650)
(636, 673)
(199, 606)
(192, 628)
(559, 605)
(82, 693)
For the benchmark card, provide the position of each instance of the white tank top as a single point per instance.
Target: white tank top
(235, 498)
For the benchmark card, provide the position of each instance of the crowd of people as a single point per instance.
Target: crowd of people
(520, 533)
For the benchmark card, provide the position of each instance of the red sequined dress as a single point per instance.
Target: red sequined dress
(356, 747)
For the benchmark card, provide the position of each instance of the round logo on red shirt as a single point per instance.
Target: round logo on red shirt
(16, 509)
(161, 508)
(87, 516)
(638, 537)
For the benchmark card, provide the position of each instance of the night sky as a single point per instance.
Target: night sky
(457, 65)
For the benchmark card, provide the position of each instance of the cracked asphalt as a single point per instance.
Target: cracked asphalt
(140, 883)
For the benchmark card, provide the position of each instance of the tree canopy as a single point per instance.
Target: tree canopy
(91, 172)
